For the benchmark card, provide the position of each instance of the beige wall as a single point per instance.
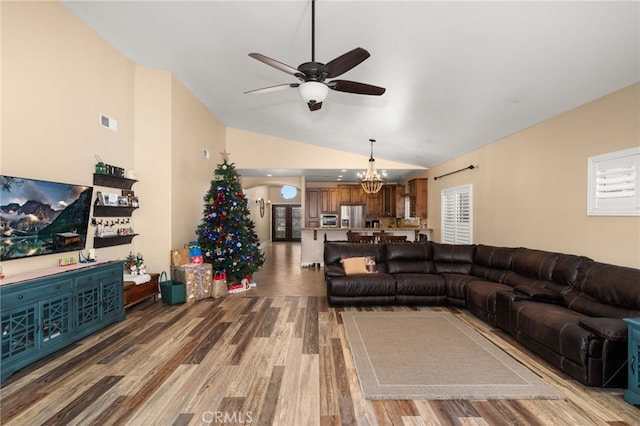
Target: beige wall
(257, 151)
(194, 130)
(530, 189)
(153, 167)
(57, 77)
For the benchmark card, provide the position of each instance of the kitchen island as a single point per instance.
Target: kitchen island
(312, 240)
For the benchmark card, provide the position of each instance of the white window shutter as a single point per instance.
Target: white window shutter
(457, 215)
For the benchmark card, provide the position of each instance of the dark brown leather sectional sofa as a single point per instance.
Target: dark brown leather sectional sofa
(567, 309)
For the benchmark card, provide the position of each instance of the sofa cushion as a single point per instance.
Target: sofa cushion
(615, 285)
(565, 271)
(420, 284)
(456, 285)
(532, 268)
(491, 262)
(481, 299)
(379, 284)
(453, 258)
(410, 258)
(585, 304)
(557, 328)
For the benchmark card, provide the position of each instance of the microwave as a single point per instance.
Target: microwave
(329, 221)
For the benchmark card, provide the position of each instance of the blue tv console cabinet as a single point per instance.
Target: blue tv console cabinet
(42, 315)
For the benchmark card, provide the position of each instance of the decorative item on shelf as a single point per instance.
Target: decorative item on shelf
(111, 200)
(131, 174)
(67, 261)
(101, 168)
(128, 194)
(125, 231)
(99, 199)
(102, 233)
(135, 202)
(371, 180)
(134, 264)
(90, 257)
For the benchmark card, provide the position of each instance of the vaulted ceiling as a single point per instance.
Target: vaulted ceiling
(458, 75)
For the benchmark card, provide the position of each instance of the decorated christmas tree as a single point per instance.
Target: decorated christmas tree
(226, 234)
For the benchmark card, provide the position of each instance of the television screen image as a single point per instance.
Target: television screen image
(39, 217)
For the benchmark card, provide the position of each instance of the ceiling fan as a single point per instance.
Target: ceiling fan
(313, 87)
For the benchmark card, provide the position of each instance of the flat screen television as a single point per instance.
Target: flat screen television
(39, 217)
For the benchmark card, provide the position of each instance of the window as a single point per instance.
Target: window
(288, 192)
(614, 183)
(457, 215)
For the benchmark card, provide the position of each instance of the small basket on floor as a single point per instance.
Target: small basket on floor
(172, 292)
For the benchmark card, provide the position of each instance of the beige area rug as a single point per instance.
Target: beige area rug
(434, 356)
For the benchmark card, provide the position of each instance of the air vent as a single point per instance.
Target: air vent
(108, 122)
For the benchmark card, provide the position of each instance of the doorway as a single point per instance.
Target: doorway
(286, 222)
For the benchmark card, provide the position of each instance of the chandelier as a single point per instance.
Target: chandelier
(371, 181)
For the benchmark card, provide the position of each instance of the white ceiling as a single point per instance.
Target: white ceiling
(458, 74)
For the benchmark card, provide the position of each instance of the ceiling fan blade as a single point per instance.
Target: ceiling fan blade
(276, 64)
(355, 87)
(314, 106)
(271, 89)
(344, 63)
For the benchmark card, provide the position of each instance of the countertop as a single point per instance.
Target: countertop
(405, 229)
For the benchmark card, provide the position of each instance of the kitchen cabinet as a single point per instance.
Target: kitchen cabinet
(351, 194)
(418, 198)
(329, 200)
(42, 315)
(312, 207)
(373, 205)
(344, 194)
(389, 201)
(358, 196)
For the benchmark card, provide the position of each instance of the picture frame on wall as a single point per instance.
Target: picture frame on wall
(129, 195)
(111, 200)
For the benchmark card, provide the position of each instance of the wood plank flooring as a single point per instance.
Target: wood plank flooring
(276, 354)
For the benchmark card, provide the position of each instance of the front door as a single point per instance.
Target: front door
(286, 222)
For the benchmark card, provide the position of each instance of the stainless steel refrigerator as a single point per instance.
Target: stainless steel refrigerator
(352, 215)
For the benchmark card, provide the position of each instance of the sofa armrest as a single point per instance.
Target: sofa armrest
(332, 270)
(612, 329)
(538, 294)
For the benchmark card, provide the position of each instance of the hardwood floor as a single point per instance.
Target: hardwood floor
(276, 354)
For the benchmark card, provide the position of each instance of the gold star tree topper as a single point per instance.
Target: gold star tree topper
(225, 156)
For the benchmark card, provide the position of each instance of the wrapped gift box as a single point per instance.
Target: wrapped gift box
(197, 278)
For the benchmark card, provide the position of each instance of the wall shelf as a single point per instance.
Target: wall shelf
(113, 211)
(116, 240)
(113, 181)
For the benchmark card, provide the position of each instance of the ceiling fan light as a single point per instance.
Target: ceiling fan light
(313, 91)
